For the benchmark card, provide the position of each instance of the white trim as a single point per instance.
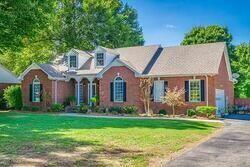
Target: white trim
(206, 92)
(120, 81)
(189, 90)
(33, 89)
(117, 60)
(35, 66)
(229, 70)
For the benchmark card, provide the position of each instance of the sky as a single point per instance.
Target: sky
(165, 22)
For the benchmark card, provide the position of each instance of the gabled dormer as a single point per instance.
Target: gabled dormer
(76, 58)
(103, 56)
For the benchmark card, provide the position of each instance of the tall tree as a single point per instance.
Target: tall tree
(85, 24)
(242, 67)
(35, 31)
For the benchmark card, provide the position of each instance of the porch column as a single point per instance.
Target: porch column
(78, 93)
(90, 79)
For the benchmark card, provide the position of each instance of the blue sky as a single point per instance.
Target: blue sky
(166, 21)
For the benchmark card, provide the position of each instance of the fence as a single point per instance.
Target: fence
(242, 101)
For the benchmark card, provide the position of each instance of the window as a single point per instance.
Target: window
(36, 94)
(80, 91)
(72, 61)
(158, 90)
(99, 59)
(118, 89)
(194, 91)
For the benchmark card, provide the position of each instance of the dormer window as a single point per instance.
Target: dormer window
(72, 61)
(100, 59)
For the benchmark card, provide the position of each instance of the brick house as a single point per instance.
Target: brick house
(114, 75)
(7, 78)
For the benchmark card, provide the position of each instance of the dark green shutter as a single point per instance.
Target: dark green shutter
(186, 90)
(31, 92)
(111, 91)
(202, 90)
(41, 92)
(124, 91)
(165, 86)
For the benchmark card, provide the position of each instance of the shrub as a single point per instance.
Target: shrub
(35, 108)
(56, 107)
(162, 112)
(3, 103)
(26, 108)
(83, 108)
(130, 109)
(71, 100)
(115, 109)
(13, 96)
(191, 112)
(95, 100)
(206, 110)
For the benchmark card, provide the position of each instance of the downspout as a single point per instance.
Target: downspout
(206, 89)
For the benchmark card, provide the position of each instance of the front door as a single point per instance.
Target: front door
(93, 91)
(80, 93)
(220, 101)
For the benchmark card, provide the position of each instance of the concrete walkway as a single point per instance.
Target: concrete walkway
(230, 148)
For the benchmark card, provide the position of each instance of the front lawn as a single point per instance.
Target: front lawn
(52, 140)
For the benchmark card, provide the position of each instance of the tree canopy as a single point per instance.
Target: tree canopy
(242, 66)
(36, 31)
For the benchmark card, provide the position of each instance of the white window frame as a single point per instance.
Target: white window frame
(33, 90)
(119, 81)
(189, 90)
(70, 63)
(94, 85)
(160, 99)
(96, 60)
(76, 93)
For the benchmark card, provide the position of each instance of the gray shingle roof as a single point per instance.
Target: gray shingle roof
(138, 56)
(189, 60)
(51, 70)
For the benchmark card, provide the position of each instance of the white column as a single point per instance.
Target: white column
(91, 79)
(78, 93)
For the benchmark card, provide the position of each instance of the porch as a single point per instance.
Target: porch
(85, 88)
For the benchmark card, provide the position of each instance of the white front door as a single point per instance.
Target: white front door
(80, 93)
(220, 101)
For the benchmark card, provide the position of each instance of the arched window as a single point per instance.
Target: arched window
(36, 93)
(119, 89)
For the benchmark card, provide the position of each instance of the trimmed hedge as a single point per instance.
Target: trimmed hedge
(13, 96)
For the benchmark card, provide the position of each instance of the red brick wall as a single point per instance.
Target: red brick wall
(222, 81)
(64, 90)
(133, 91)
(4, 85)
(47, 86)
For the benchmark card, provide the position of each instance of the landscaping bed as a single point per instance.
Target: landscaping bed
(51, 139)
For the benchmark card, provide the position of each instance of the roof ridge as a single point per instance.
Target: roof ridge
(158, 45)
(209, 43)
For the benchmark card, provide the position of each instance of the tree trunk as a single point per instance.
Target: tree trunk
(173, 111)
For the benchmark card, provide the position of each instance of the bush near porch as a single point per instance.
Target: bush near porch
(30, 139)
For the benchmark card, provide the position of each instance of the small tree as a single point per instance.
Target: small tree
(145, 86)
(13, 96)
(174, 98)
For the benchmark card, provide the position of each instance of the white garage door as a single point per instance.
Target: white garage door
(220, 101)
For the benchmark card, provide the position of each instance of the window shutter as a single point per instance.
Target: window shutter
(31, 92)
(186, 90)
(202, 90)
(152, 92)
(111, 91)
(124, 91)
(41, 92)
(165, 86)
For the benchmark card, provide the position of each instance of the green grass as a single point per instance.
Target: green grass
(52, 140)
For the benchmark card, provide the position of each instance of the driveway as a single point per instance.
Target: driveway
(230, 148)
